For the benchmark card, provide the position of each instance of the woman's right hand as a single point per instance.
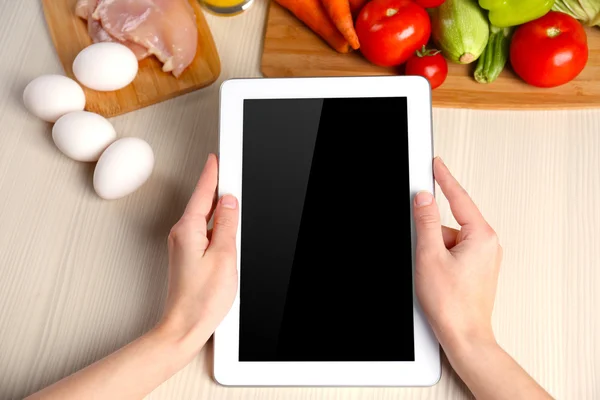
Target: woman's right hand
(455, 280)
(456, 271)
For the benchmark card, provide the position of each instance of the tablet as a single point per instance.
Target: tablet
(325, 170)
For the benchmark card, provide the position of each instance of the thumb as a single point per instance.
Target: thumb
(225, 225)
(427, 222)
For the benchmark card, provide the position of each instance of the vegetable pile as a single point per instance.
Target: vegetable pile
(543, 40)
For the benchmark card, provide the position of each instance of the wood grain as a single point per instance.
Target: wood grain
(291, 49)
(151, 85)
(80, 277)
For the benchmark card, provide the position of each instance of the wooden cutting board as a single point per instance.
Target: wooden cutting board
(292, 50)
(151, 85)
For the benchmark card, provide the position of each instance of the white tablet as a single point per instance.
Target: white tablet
(325, 170)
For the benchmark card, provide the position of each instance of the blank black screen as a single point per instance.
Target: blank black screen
(326, 271)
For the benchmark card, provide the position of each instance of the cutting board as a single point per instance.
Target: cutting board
(151, 85)
(292, 50)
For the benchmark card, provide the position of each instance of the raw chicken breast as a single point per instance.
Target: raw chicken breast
(81, 8)
(84, 9)
(166, 28)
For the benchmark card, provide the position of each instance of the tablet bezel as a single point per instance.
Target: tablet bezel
(228, 370)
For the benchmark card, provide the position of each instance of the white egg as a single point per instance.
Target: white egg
(105, 66)
(49, 97)
(123, 167)
(82, 135)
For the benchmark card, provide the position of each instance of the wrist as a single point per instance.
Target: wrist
(178, 351)
(461, 341)
(187, 340)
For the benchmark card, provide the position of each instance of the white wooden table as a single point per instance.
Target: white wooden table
(80, 277)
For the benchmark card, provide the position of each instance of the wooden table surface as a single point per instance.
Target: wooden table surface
(80, 277)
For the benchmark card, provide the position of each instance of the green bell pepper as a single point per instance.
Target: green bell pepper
(505, 13)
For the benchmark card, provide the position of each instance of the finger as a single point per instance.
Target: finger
(225, 225)
(450, 235)
(202, 200)
(427, 223)
(463, 208)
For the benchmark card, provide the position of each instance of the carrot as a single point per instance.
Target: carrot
(312, 13)
(356, 6)
(339, 12)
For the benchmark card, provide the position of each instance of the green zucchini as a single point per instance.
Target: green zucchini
(494, 57)
(460, 29)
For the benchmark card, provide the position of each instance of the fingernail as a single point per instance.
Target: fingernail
(423, 199)
(229, 201)
(440, 160)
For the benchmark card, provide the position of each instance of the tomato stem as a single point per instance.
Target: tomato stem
(390, 11)
(553, 32)
(424, 52)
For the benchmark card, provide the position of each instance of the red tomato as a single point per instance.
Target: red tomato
(390, 31)
(549, 51)
(429, 3)
(430, 64)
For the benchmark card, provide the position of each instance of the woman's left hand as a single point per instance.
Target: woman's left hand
(203, 276)
(202, 287)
